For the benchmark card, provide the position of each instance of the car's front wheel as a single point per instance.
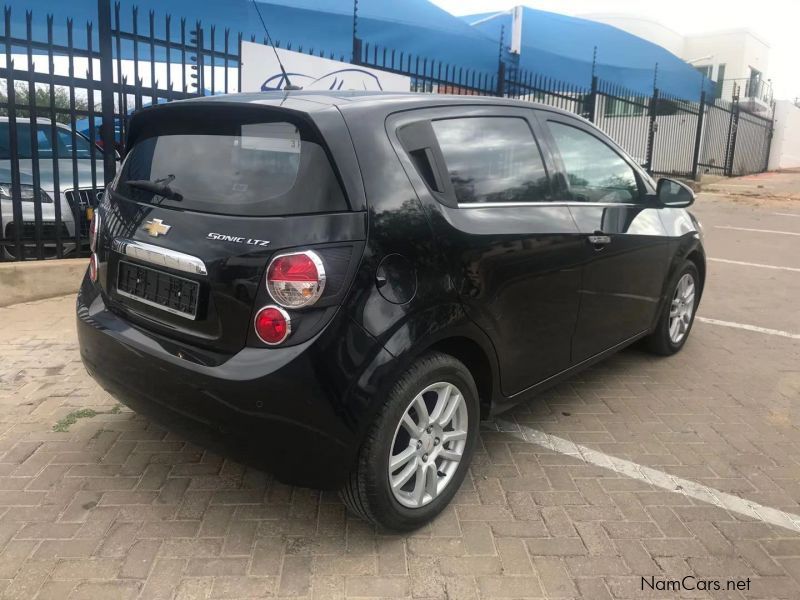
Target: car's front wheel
(419, 448)
(677, 316)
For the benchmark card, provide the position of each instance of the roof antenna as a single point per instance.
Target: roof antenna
(288, 87)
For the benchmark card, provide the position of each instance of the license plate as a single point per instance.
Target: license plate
(173, 294)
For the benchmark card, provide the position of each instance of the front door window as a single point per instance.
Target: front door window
(595, 172)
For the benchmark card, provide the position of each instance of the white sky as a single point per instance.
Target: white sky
(777, 22)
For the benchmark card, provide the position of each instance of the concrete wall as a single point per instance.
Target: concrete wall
(785, 150)
(38, 279)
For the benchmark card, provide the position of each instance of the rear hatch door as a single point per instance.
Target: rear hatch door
(207, 194)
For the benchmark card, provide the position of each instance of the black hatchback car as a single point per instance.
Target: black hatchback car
(343, 285)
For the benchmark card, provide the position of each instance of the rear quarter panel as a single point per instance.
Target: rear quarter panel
(398, 225)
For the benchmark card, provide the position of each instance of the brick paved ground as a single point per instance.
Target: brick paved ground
(115, 507)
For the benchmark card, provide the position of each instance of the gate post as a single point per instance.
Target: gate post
(770, 133)
(592, 112)
(106, 88)
(732, 130)
(698, 134)
(501, 79)
(651, 131)
(356, 41)
(198, 68)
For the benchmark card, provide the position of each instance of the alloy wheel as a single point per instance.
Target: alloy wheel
(682, 308)
(428, 445)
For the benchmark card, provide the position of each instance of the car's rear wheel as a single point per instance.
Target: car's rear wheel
(419, 448)
(677, 316)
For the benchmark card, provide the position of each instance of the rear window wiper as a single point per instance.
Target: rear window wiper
(160, 187)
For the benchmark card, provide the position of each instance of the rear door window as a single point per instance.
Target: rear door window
(259, 169)
(492, 159)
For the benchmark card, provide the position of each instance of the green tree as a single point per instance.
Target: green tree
(42, 102)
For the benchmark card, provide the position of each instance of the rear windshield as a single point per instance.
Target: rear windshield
(262, 169)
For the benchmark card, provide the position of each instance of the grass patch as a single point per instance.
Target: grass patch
(84, 413)
(72, 418)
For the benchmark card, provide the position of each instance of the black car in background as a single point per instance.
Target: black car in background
(344, 284)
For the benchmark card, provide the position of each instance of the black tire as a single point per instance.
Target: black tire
(659, 342)
(367, 492)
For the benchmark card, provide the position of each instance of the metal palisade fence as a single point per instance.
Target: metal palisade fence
(67, 94)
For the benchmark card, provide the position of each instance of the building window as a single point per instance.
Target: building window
(754, 83)
(720, 81)
(705, 70)
(624, 107)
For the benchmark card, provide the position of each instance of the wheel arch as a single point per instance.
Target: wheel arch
(469, 352)
(690, 247)
(443, 328)
(446, 328)
(697, 256)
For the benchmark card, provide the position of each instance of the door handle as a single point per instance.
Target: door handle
(599, 240)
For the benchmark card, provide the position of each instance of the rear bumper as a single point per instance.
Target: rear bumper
(298, 412)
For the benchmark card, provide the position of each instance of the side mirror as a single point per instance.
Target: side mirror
(674, 194)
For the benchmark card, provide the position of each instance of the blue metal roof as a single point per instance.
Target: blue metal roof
(562, 47)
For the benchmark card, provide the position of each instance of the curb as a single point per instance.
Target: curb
(36, 280)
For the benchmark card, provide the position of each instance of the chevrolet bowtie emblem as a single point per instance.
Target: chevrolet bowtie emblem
(157, 227)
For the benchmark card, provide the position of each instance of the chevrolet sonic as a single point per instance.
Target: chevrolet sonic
(342, 285)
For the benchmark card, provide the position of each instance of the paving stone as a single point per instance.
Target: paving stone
(239, 587)
(139, 559)
(510, 587)
(295, 578)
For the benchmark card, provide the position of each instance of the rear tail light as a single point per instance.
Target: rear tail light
(93, 266)
(296, 280)
(94, 229)
(272, 325)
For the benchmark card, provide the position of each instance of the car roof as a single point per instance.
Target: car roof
(311, 101)
(39, 120)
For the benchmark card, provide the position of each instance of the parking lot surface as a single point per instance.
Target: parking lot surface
(637, 474)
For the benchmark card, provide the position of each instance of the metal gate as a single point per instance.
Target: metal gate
(716, 146)
(752, 139)
(625, 117)
(733, 141)
(674, 123)
(53, 174)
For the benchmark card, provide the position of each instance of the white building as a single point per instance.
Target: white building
(785, 150)
(735, 59)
